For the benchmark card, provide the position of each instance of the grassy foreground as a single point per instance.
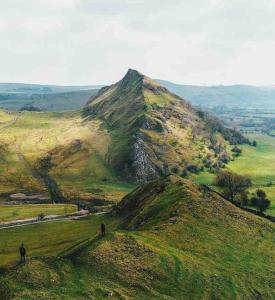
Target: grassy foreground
(18, 212)
(174, 243)
(48, 239)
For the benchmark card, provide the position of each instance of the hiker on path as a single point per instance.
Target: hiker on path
(103, 229)
(22, 251)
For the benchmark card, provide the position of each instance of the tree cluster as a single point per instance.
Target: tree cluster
(260, 201)
(235, 188)
(232, 184)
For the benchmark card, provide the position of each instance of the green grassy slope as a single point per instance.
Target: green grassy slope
(77, 149)
(50, 238)
(176, 242)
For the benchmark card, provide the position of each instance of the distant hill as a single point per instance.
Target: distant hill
(14, 96)
(47, 101)
(27, 88)
(230, 96)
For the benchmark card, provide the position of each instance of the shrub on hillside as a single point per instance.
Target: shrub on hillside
(260, 201)
(193, 168)
(175, 169)
(165, 169)
(224, 157)
(184, 173)
(236, 151)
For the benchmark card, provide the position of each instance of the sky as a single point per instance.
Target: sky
(201, 42)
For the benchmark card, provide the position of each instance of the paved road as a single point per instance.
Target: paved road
(32, 221)
(13, 224)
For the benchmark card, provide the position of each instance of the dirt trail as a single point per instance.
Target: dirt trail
(44, 179)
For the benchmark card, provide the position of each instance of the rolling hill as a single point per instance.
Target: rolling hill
(243, 96)
(132, 131)
(165, 240)
(14, 96)
(47, 101)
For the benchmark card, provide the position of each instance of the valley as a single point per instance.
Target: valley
(137, 155)
(77, 149)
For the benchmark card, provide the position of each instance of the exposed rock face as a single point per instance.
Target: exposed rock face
(152, 123)
(145, 170)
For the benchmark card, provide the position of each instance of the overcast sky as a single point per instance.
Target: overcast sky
(202, 42)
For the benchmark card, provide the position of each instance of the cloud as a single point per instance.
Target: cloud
(118, 7)
(96, 41)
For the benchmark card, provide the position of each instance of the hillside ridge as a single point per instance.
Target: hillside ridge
(173, 241)
(155, 130)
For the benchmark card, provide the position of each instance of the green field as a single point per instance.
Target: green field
(19, 212)
(257, 162)
(49, 238)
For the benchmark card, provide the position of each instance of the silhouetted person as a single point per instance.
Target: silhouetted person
(22, 251)
(103, 229)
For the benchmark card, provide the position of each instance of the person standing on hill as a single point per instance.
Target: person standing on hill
(22, 251)
(103, 229)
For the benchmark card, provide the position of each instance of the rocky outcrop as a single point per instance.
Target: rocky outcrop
(145, 169)
(151, 123)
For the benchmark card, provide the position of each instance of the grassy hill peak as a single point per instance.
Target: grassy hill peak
(155, 131)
